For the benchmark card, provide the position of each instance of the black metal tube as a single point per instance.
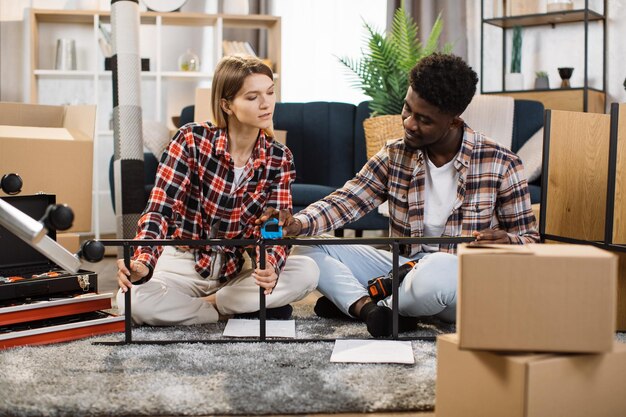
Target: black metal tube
(303, 241)
(545, 172)
(395, 285)
(262, 310)
(128, 323)
(611, 179)
(223, 341)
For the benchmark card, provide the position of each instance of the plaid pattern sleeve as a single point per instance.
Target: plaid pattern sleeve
(195, 196)
(491, 193)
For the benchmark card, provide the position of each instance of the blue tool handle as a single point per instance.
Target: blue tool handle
(271, 229)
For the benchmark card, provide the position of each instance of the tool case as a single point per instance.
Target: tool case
(26, 274)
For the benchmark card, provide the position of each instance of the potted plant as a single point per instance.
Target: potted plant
(383, 73)
(541, 80)
(514, 80)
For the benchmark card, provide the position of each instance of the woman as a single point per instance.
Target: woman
(214, 181)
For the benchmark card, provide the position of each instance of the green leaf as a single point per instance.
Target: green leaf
(382, 72)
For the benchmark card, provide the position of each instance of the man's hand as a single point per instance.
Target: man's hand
(125, 278)
(291, 226)
(490, 237)
(265, 278)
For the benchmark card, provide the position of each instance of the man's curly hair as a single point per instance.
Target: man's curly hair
(445, 81)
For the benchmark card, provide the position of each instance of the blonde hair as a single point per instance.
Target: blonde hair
(230, 73)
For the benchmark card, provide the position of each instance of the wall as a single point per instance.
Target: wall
(545, 48)
(325, 29)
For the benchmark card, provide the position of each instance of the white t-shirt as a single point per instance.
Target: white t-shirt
(440, 194)
(238, 176)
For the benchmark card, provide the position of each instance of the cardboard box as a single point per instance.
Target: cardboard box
(202, 110)
(70, 241)
(523, 7)
(51, 148)
(486, 384)
(538, 298)
(621, 292)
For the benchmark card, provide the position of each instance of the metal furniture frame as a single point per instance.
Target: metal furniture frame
(395, 243)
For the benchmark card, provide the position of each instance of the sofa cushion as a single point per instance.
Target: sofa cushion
(321, 138)
(305, 194)
(527, 119)
(531, 155)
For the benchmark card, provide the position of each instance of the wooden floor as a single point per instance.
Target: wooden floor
(107, 269)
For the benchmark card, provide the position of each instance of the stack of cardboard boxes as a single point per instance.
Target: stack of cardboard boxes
(51, 148)
(535, 335)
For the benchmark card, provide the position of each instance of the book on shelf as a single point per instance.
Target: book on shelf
(237, 48)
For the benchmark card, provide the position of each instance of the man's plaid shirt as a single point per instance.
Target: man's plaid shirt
(193, 194)
(491, 193)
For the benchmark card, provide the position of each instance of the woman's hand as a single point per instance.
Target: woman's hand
(125, 278)
(490, 237)
(265, 278)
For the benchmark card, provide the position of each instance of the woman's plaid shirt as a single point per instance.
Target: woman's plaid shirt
(193, 196)
(491, 193)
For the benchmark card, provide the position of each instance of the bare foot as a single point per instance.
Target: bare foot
(212, 299)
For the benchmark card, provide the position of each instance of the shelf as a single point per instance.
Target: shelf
(553, 18)
(186, 74)
(570, 99)
(144, 74)
(544, 90)
(63, 74)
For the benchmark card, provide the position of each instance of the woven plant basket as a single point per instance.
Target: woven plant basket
(379, 130)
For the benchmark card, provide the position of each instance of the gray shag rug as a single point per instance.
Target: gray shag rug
(82, 379)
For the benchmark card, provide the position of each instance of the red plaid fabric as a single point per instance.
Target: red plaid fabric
(194, 195)
(492, 192)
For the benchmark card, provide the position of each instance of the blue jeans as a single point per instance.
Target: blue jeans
(427, 290)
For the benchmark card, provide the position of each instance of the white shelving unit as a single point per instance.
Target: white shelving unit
(165, 90)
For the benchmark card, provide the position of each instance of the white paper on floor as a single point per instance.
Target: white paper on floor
(372, 351)
(250, 328)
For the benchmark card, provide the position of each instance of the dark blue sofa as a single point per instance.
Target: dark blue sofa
(328, 144)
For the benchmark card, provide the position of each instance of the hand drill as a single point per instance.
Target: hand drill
(380, 288)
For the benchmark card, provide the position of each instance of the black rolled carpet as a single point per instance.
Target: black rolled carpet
(82, 379)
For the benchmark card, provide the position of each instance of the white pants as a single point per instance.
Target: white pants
(174, 293)
(427, 290)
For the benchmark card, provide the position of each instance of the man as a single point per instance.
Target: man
(441, 179)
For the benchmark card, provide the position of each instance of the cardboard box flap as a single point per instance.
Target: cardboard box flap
(495, 249)
(536, 249)
(33, 121)
(35, 115)
(81, 119)
(42, 133)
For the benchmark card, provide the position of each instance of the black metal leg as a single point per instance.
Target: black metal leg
(395, 284)
(262, 309)
(128, 325)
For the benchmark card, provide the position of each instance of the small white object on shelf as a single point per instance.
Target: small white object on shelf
(164, 5)
(236, 6)
(189, 61)
(559, 5)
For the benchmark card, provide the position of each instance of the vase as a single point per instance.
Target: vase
(542, 83)
(236, 6)
(189, 61)
(514, 81)
(566, 74)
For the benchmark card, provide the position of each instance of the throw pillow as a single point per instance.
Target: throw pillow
(156, 137)
(531, 155)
